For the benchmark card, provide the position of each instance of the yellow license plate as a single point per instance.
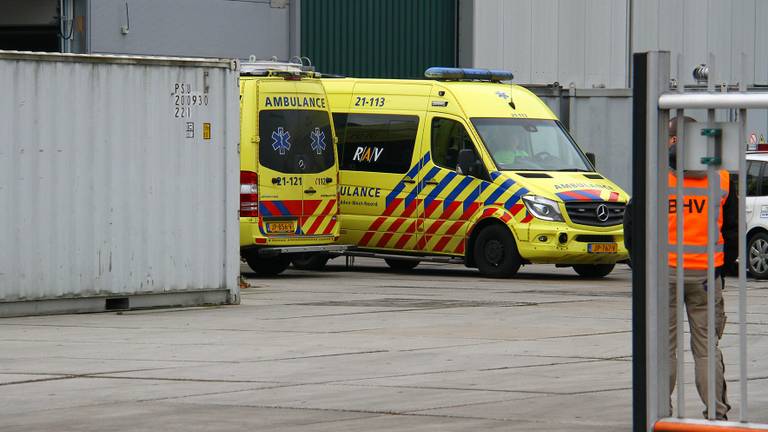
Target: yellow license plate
(281, 227)
(603, 247)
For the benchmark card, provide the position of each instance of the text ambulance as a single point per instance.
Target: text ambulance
(465, 168)
(288, 166)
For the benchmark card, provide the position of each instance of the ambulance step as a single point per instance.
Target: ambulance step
(427, 258)
(276, 250)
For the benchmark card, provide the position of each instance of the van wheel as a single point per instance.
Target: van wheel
(757, 245)
(593, 270)
(400, 264)
(267, 266)
(310, 261)
(496, 253)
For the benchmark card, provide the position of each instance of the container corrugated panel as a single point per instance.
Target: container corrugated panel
(109, 181)
(383, 39)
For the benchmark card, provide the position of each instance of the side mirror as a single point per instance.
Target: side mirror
(468, 163)
(592, 159)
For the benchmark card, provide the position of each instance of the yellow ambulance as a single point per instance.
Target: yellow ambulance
(462, 167)
(288, 166)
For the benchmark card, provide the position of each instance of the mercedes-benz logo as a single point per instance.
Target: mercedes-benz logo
(602, 212)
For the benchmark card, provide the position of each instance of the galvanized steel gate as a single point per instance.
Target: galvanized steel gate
(715, 145)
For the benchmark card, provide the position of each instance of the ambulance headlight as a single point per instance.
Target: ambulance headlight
(543, 208)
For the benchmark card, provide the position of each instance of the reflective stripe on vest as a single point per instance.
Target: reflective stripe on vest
(695, 209)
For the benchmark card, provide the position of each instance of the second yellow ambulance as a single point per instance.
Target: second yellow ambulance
(464, 168)
(288, 167)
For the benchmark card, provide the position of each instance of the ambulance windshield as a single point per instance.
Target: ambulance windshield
(295, 141)
(530, 145)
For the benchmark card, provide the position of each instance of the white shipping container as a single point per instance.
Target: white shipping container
(118, 182)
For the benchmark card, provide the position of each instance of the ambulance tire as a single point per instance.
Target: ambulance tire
(496, 253)
(593, 270)
(401, 265)
(310, 261)
(268, 266)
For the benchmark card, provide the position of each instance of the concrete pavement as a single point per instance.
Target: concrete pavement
(348, 350)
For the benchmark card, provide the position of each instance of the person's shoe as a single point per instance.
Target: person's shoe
(723, 417)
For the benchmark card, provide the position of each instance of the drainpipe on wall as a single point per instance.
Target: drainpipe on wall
(65, 25)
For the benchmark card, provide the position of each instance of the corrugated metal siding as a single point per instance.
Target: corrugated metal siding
(696, 28)
(583, 42)
(101, 192)
(386, 39)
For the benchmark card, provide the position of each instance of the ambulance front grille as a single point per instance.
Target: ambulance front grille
(586, 213)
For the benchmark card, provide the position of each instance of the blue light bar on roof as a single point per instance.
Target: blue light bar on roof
(459, 74)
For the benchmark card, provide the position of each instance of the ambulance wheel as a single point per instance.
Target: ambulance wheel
(401, 265)
(496, 253)
(593, 270)
(757, 258)
(267, 266)
(310, 261)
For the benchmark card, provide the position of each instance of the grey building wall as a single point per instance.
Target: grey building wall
(695, 28)
(588, 43)
(199, 28)
(579, 42)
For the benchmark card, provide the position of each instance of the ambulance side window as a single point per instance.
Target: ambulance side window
(376, 142)
(448, 138)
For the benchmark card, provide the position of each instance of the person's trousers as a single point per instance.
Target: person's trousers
(695, 282)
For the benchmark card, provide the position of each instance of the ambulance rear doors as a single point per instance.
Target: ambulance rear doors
(297, 167)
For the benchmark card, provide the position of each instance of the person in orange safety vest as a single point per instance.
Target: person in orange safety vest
(695, 265)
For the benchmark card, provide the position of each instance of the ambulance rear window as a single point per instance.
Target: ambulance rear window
(376, 142)
(295, 141)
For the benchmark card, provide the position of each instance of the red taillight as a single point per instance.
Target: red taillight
(249, 194)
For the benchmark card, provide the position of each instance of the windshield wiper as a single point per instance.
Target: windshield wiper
(573, 170)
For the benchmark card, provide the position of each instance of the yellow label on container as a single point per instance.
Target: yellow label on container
(206, 131)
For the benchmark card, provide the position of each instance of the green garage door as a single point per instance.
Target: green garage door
(378, 38)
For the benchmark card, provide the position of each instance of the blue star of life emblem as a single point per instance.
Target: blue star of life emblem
(281, 141)
(318, 140)
(502, 94)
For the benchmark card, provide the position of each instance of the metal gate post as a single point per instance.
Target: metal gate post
(650, 287)
(637, 252)
(657, 210)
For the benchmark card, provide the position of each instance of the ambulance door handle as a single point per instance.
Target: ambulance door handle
(431, 183)
(310, 191)
(409, 181)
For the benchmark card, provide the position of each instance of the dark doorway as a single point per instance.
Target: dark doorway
(29, 38)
